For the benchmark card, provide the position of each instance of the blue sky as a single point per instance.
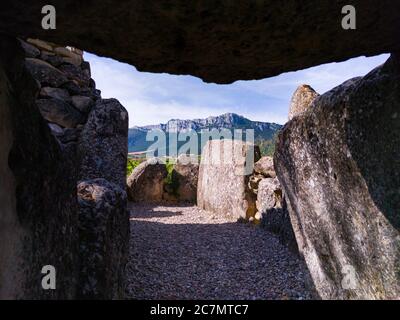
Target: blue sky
(152, 98)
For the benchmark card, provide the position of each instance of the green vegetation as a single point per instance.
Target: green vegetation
(171, 181)
(267, 147)
(132, 164)
(170, 168)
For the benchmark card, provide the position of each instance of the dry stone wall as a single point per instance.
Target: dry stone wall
(44, 216)
(51, 105)
(272, 213)
(67, 92)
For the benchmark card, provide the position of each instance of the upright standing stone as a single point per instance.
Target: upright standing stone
(186, 174)
(340, 171)
(103, 239)
(225, 168)
(146, 182)
(103, 148)
(103, 216)
(301, 100)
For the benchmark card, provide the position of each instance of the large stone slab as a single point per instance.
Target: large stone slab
(103, 146)
(60, 112)
(56, 93)
(103, 239)
(218, 41)
(45, 73)
(186, 174)
(30, 50)
(225, 168)
(265, 167)
(38, 208)
(339, 166)
(41, 221)
(103, 216)
(146, 182)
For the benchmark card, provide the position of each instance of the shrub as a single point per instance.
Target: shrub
(171, 180)
(131, 164)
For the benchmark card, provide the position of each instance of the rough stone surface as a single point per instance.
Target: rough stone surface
(45, 73)
(40, 215)
(64, 52)
(301, 100)
(56, 93)
(339, 167)
(203, 40)
(73, 88)
(103, 239)
(103, 219)
(82, 103)
(269, 194)
(146, 182)
(69, 135)
(224, 176)
(218, 41)
(55, 128)
(103, 147)
(51, 58)
(265, 167)
(271, 205)
(40, 44)
(60, 112)
(77, 60)
(69, 104)
(30, 50)
(186, 173)
(12, 231)
(39, 219)
(75, 73)
(183, 252)
(272, 214)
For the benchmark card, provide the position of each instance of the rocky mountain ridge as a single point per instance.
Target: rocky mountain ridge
(263, 131)
(227, 120)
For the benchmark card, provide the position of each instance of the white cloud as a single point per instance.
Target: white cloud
(144, 112)
(322, 78)
(156, 98)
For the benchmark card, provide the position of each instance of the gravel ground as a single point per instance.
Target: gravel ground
(183, 252)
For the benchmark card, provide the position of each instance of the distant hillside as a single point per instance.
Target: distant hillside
(264, 132)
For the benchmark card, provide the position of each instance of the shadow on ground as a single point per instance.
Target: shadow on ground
(191, 254)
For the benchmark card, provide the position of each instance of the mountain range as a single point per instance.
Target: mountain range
(264, 132)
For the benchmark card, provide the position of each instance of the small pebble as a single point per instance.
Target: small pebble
(183, 252)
